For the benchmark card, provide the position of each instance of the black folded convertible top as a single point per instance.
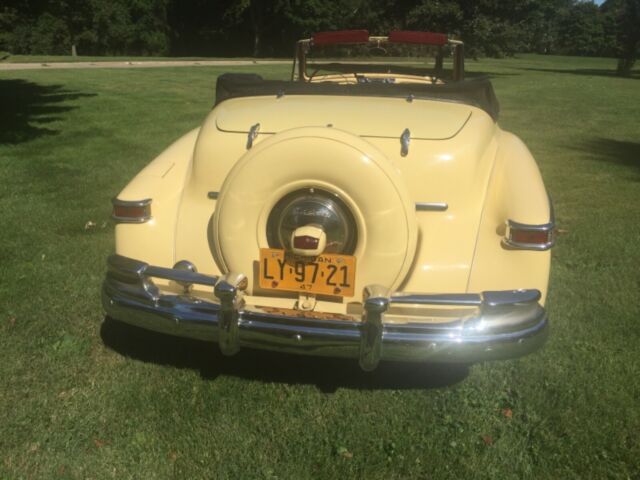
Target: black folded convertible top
(476, 91)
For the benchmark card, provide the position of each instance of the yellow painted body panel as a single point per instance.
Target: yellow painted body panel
(364, 116)
(457, 155)
(163, 181)
(515, 191)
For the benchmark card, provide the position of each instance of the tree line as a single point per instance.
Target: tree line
(270, 27)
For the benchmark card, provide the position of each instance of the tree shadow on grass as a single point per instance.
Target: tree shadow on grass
(327, 374)
(475, 74)
(618, 152)
(590, 72)
(28, 107)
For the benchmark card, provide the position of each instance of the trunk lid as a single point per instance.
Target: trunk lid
(363, 116)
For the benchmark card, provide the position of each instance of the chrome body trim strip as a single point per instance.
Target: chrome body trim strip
(146, 203)
(510, 297)
(405, 140)
(133, 270)
(432, 206)
(252, 135)
(498, 325)
(453, 299)
(131, 203)
(118, 219)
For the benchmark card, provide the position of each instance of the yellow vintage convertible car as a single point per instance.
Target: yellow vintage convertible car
(367, 208)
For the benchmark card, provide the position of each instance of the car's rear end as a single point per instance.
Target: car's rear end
(370, 220)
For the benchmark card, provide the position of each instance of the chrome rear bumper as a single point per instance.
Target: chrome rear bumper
(503, 324)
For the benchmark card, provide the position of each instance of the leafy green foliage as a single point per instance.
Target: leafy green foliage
(94, 26)
(582, 31)
(628, 34)
(270, 27)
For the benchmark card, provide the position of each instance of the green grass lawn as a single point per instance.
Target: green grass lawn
(79, 399)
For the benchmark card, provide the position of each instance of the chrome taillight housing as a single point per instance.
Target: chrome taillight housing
(313, 206)
(131, 211)
(523, 236)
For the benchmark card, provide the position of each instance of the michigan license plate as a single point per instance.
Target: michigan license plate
(326, 274)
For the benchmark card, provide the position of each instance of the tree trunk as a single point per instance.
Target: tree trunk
(256, 11)
(628, 57)
(256, 43)
(625, 65)
(74, 53)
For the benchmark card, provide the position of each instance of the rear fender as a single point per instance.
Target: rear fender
(163, 182)
(515, 191)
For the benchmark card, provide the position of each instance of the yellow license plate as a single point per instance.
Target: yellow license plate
(326, 274)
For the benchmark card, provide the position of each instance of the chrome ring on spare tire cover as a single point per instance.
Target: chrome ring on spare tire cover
(313, 206)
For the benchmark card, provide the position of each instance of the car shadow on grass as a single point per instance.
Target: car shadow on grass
(327, 374)
(28, 108)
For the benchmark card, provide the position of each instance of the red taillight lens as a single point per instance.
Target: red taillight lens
(306, 242)
(131, 211)
(530, 236)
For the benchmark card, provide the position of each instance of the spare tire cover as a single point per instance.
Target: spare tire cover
(335, 161)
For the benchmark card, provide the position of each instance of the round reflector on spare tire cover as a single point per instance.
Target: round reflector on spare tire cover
(331, 160)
